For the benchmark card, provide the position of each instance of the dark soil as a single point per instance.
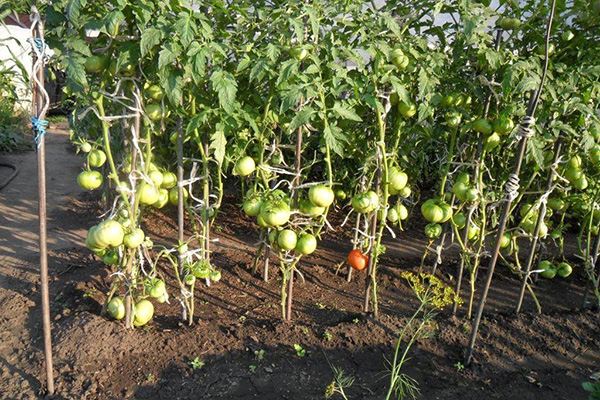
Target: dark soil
(248, 352)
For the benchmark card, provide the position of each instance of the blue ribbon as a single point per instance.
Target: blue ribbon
(39, 126)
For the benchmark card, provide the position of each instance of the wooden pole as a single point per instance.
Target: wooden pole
(38, 108)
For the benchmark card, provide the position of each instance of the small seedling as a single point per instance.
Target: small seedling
(327, 336)
(259, 354)
(242, 319)
(320, 305)
(150, 377)
(305, 330)
(300, 352)
(196, 363)
(355, 320)
(90, 293)
(252, 368)
(459, 366)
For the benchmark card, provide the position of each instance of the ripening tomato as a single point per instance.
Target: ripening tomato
(143, 312)
(96, 158)
(244, 166)
(358, 260)
(321, 195)
(89, 180)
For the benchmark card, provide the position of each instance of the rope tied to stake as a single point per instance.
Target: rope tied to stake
(39, 126)
(39, 50)
(524, 131)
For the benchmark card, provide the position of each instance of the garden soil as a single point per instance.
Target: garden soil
(242, 348)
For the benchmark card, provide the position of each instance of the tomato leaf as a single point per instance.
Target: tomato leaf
(168, 55)
(186, 28)
(335, 139)
(301, 118)
(218, 143)
(259, 70)
(74, 68)
(346, 112)
(226, 87)
(150, 38)
(400, 89)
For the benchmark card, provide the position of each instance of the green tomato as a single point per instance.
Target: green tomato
(556, 204)
(492, 141)
(541, 49)
(169, 180)
(307, 207)
(273, 236)
(340, 195)
(245, 166)
(156, 177)
(573, 173)
(321, 195)
(116, 308)
(460, 220)
(85, 147)
(156, 288)
(473, 232)
(407, 110)
(594, 155)
(361, 203)
(134, 239)
(447, 101)
(472, 194)
(261, 222)
(574, 162)
(147, 193)
(433, 230)
(503, 125)
(482, 125)
(564, 269)
(155, 92)
(463, 177)
(108, 233)
(174, 196)
(447, 211)
(567, 36)
(307, 244)
(392, 215)
(89, 180)
(373, 200)
(163, 198)
(143, 312)
(189, 280)
(581, 183)
(95, 64)
(404, 192)
(460, 190)
(299, 52)
(111, 258)
(398, 179)
(548, 270)
(505, 240)
(453, 119)
(252, 206)
(154, 112)
(275, 213)
(432, 211)
(398, 58)
(402, 211)
(96, 158)
(287, 239)
(215, 276)
(200, 269)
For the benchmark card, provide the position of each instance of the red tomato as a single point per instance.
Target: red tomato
(358, 260)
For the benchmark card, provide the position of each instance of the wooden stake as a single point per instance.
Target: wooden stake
(38, 100)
